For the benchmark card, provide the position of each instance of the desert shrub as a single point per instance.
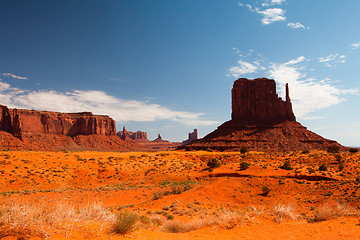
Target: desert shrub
(338, 158)
(126, 222)
(213, 163)
(287, 165)
(323, 167)
(157, 195)
(244, 165)
(244, 150)
(311, 170)
(284, 211)
(329, 211)
(334, 149)
(353, 150)
(175, 226)
(265, 191)
(341, 166)
(169, 216)
(165, 182)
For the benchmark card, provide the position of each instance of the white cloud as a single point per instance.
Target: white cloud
(296, 25)
(97, 102)
(272, 2)
(271, 15)
(308, 94)
(13, 76)
(244, 68)
(355, 45)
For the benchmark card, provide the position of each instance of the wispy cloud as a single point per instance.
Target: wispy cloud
(13, 76)
(272, 14)
(355, 45)
(332, 59)
(308, 93)
(295, 61)
(296, 25)
(98, 102)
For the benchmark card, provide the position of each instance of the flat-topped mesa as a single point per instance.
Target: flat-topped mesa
(21, 121)
(256, 101)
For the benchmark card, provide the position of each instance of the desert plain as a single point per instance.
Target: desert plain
(179, 195)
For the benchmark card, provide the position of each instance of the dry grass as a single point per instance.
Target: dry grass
(222, 218)
(29, 219)
(329, 211)
(126, 222)
(282, 211)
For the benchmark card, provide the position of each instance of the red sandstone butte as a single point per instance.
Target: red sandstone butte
(261, 121)
(46, 130)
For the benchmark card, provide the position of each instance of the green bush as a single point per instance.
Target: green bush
(323, 167)
(213, 163)
(244, 165)
(287, 165)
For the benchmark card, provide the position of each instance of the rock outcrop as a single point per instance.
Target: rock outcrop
(192, 137)
(137, 136)
(44, 130)
(260, 121)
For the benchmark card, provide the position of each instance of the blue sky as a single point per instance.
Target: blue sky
(167, 66)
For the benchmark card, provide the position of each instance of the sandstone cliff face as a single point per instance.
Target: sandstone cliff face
(256, 100)
(22, 129)
(20, 121)
(260, 121)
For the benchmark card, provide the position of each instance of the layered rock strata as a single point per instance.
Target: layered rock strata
(44, 130)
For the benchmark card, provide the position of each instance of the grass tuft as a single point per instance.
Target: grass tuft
(126, 222)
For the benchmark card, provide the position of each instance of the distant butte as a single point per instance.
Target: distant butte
(22, 129)
(261, 121)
